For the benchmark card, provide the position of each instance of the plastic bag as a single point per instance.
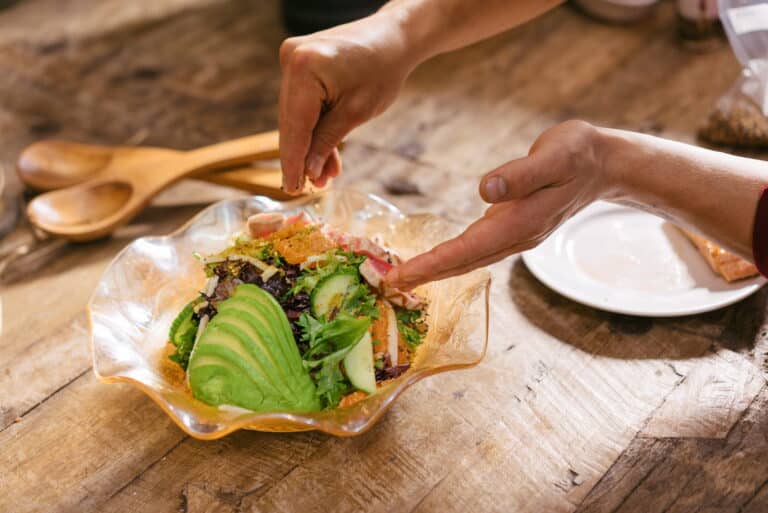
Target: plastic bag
(741, 115)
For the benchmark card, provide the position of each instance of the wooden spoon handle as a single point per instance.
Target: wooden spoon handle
(255, 179)
(261, 146)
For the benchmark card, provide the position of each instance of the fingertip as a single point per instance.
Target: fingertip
(286, 186)
(289, 186)
(404, 277)
(494, 188)
(393, 278)
(293, 174)
(392, 275)
(296, 185)
(330, 170)
(314, 166)
(319, 182)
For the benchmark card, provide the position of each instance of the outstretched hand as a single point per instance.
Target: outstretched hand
(531, 197)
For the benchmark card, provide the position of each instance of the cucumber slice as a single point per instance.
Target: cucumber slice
(330, 292)
(358, 364)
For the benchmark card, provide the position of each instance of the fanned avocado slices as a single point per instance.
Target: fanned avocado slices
(247, 357)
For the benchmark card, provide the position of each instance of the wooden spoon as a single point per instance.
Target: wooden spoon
(54, 164)
(115, 184)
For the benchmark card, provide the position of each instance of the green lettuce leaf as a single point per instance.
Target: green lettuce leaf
(182, 335)
(411, 325)
(329, 342)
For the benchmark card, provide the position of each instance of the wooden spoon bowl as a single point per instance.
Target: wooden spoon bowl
(52, 164)
(93, 204)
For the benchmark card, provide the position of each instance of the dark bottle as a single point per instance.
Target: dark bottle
(306, 16)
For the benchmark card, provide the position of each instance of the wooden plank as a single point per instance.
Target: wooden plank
(623, 478)
(80, 446)
(711, 399)
(241, 466)
(691, 474)
(129, 92)
(46, 366)
(51, 21)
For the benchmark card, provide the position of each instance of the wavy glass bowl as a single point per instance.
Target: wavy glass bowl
(147, 284)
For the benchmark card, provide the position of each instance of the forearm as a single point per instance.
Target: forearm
(710, 192)
(432, 27)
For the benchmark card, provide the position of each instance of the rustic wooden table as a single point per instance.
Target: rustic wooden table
(572, 410)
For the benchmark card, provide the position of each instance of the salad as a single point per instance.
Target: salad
(296, 316)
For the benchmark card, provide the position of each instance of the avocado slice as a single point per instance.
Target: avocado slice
(220, 342)
(290, 350)
(247, 357)
(218, 384)
(262, 314)
(262, 317)
(269, 354)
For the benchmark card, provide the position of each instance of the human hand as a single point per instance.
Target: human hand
(531, 197)
(333, 81)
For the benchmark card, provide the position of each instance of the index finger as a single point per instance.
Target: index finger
(300, 103)
(480, 242)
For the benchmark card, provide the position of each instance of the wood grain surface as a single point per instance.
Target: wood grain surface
(573, 409)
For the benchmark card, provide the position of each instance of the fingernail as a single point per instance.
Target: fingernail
(495, 188)
(315, 166)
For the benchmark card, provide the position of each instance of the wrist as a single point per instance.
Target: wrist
(612, 153)
(416, 28)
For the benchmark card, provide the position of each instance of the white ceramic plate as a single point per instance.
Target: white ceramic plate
(626, 261)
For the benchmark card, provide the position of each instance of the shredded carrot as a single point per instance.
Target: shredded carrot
(403, 353)
(353, 398)
(288, 231)
(379, 330)
(296, 242)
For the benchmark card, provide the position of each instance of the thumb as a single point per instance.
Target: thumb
(517, 179)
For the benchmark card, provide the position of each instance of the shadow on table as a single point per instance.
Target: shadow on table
(624, 336)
